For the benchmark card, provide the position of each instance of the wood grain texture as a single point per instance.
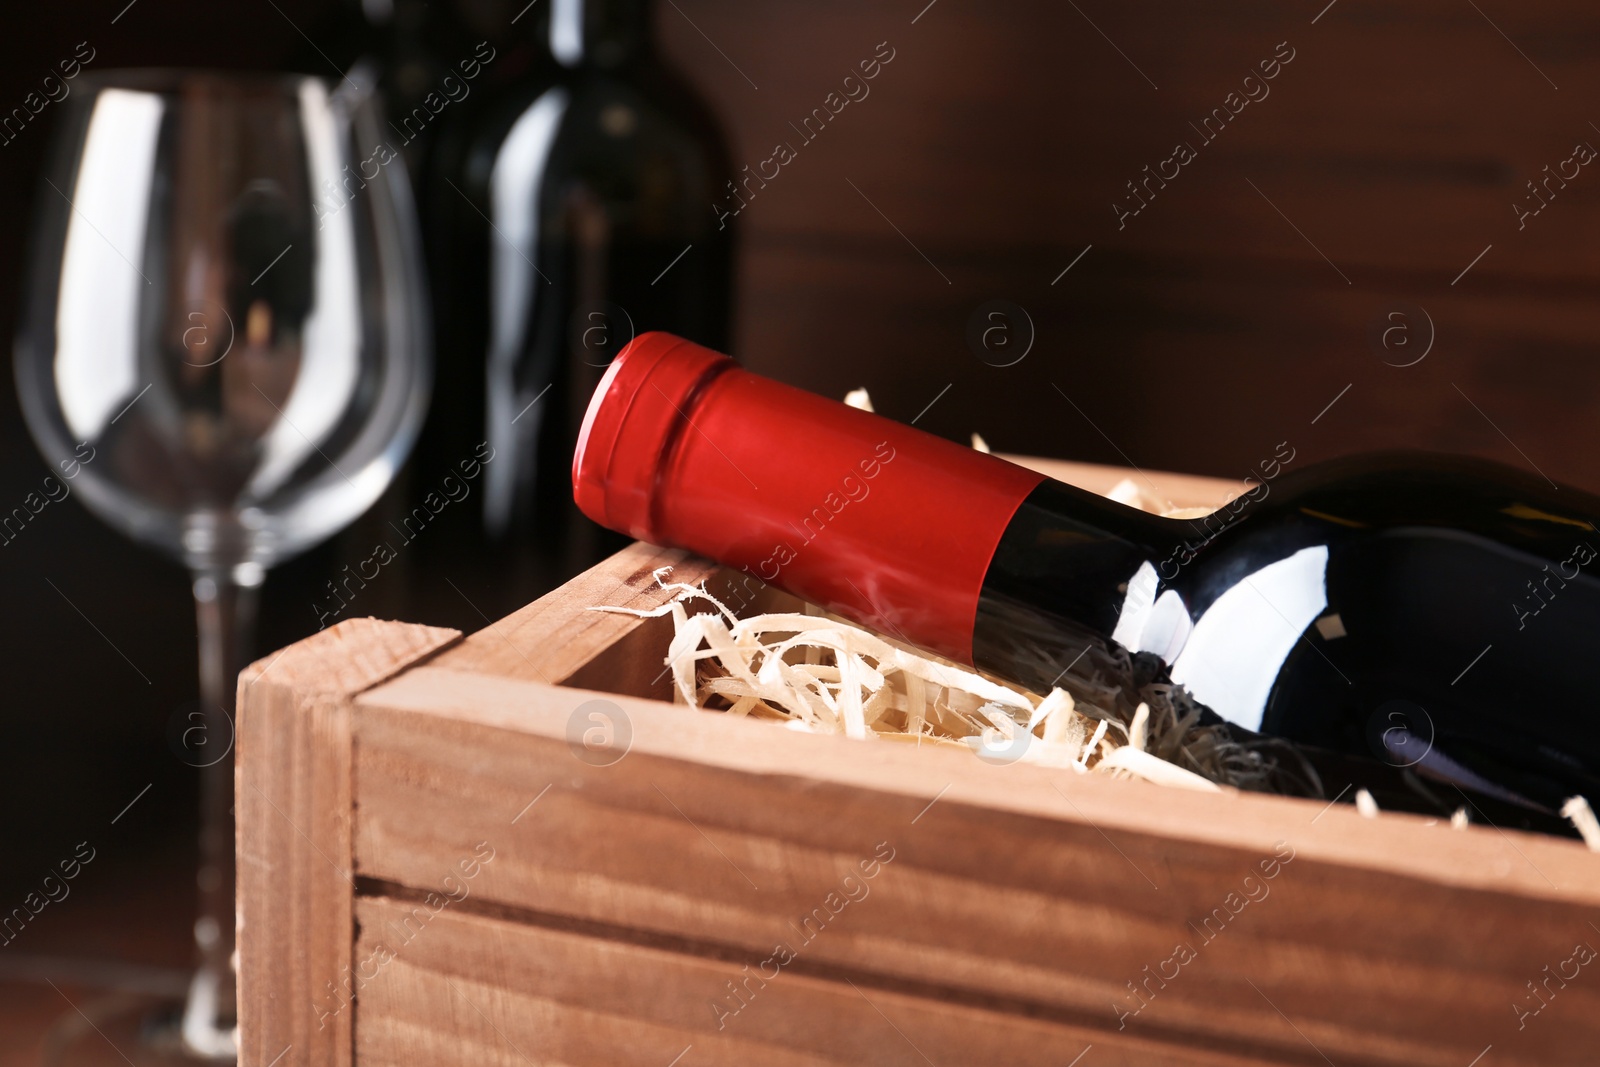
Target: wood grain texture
(475, 989)
(1037, 895)
(293, 830)
(1222, 318)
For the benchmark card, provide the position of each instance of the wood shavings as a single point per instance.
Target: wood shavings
(980, 444)
(1139, 762)
(858, 398)
(1581, 815)
(819, 674)
(1366, 805)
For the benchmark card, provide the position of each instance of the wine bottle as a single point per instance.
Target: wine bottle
(423, 58)
(1431, 615)
(569, 208)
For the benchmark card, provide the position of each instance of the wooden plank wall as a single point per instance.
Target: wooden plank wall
(1208, 328)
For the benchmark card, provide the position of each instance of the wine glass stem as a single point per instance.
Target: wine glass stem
(226, 610)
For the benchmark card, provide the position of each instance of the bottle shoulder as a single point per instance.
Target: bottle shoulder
(1411, 502)
(625, 139)
(664, 102)
(1417, 489)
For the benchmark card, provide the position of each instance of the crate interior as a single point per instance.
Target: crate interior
(634, 664)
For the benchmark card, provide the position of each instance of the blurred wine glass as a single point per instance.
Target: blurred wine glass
(224, 345)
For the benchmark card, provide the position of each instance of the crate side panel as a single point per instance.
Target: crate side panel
(1060, 896)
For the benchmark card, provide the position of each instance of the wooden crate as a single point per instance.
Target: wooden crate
(434, 869)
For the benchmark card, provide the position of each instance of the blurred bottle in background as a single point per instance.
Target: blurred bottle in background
(421, 53)
(567, 179)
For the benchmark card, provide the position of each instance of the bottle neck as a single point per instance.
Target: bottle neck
(592, 33)
(1072, 572)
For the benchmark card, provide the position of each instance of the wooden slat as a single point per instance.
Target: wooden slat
(1345, 131)
(466, 988)
(1042, 895)
(1207, 329)
(293, 833)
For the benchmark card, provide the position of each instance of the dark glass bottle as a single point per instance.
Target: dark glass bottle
(422, 58)
(568, 209)
(1421, 625)
(1436, 613)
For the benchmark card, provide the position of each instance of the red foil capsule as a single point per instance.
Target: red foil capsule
(876, 521)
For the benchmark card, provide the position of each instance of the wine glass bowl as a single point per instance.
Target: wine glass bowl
(225, 333)
(225, 346)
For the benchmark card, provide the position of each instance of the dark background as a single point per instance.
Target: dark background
(1221, 320)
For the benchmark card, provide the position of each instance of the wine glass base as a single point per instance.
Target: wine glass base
(118, 1029)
